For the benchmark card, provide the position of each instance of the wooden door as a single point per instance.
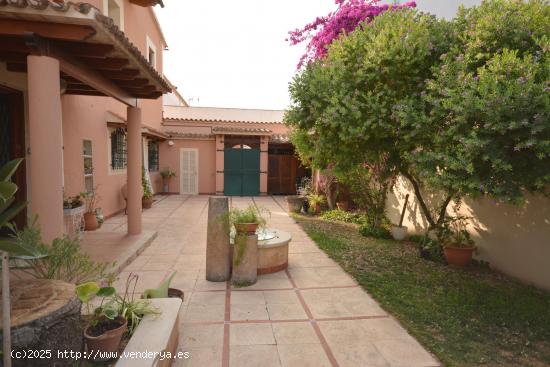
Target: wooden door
(189, 165)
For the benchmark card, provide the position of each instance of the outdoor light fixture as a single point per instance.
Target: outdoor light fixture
(170, 142)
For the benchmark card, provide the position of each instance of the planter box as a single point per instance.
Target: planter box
(73, 220)
(155, 336)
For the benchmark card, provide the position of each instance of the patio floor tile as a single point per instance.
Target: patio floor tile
(254, 356)
(267, 323)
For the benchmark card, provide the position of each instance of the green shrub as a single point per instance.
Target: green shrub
(64, 259)
(342, 216)
(377, 232)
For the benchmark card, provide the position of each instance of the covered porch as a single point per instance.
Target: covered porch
(66, 49)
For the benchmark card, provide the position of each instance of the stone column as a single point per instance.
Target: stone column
(264, 147)
(135, 191)
(46, 145)
(220, 156)
(245, 267)
(218, 263)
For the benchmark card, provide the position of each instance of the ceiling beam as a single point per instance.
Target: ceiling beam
(109, 63)
(49, 30)
(77, 69)
(80, 49)
(124, 74)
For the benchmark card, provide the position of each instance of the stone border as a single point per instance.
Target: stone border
(155, 335)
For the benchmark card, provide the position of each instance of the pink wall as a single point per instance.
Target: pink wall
(170, 158)
(86, 118)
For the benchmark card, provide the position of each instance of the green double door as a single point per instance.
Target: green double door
(242, 172)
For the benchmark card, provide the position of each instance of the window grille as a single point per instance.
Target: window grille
(118, 149)
(153, 148)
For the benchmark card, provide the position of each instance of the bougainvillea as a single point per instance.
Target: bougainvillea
(323, 30)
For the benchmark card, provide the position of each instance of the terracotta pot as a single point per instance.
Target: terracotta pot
(90, 222)
(294, 203)
(399, 233)
(458, 256)
(246, 228)
(146, 203)
(175, 293)
(107, 342)
(316, 208)
(342, 205)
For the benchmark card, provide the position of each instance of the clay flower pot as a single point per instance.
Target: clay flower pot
(175, 293)
(294, 203)
(246, 228)
(90, 221)
(107, 342)
(399, 232)
(146, 203)
(316, 208)
(342, 205)
(458, 256)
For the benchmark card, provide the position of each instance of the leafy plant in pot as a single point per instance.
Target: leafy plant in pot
(246, 222)
(164, 290)
(167, 175)
(91, 198)
(147, 198)
(114, 316)
(105, 325)
(458, 246)
(315, 202)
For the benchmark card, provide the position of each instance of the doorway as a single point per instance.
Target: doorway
(189, 165)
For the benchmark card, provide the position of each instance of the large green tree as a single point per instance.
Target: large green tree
(487, 109)
(345, 107)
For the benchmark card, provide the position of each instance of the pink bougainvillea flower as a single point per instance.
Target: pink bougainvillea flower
(324, 30)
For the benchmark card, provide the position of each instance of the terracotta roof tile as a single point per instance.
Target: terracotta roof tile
(215, 114)
(101, 21)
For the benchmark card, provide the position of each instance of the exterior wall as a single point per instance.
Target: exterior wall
(170, 158)
(512, 239)
(85, 117)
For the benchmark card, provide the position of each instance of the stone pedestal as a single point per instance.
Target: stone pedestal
(218, 263)
(245, 264)
(45, 316)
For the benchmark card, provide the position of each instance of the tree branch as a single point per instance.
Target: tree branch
(420, 199)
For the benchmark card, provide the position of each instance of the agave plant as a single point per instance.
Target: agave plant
(9, 245)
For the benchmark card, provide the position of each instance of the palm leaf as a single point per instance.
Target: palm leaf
(7, 190)
(6, 216)
(7, 170)
(14, 247)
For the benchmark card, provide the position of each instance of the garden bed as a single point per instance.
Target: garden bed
(470, 316)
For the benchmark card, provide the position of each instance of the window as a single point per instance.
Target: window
(113, 9)
(151, 52)
(118, 149)
(87, 155)
(153, 149)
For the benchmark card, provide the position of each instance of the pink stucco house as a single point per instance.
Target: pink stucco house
(81, 99)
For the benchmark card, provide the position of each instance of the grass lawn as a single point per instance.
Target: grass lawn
(466, 317)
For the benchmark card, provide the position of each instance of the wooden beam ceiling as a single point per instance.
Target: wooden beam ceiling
(47, 30)
(86, 67)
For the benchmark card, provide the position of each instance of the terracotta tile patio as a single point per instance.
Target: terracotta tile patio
(313, 314)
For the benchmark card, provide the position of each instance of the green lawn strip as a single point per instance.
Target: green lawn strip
(467, 317)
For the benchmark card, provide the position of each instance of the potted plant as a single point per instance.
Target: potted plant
(342, 205)
(399, 232)
(114, 316)
(106, 325)
(315, 202)
(90, 218)
(73, 215)
(167, 175)
(303, 191)
(147, 198)
(458, 246)
(294, 203)
(164, 290)
(248, 220)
